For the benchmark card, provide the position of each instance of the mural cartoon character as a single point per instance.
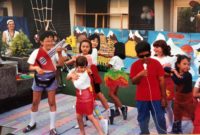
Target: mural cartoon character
(133, 39)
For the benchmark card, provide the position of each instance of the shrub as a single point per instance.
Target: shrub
(21, 45)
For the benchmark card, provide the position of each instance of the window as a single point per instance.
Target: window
(3, 11)
(97, 6)
(186, 22)
(141, 14)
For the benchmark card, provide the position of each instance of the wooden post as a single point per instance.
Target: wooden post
(96, 19)
(103, 21)
(121, 18)
(74, 19)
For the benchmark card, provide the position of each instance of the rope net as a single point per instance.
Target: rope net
(42, 13)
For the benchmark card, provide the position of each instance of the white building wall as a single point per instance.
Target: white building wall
(72, 11)
(116, 7)
(7, 4)
(159, 15)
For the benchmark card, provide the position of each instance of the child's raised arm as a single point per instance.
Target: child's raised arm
(71, 61)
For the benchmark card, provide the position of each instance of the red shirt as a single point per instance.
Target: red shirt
(148, 91)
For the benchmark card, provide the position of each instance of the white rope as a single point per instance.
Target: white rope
(38, 14)
(52, 17)
(46, 9)
(34, 16)
(51, 8)
(42, 9)
(43, 19)
(47, 26)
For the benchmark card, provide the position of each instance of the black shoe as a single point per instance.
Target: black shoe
(124, 110)
(177, 129)
(53, 132)
(29, 128)
(117, 113)
(86, 118)
(112, 115)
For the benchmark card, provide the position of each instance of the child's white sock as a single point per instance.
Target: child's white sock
(33, 118)
(52, 119)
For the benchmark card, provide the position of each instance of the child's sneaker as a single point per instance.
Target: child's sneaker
(112, 115)
(176, 128)
(84, 121)
(117, 112)
(29, 128)
(53, 132)
(124, 110)
(77, 126)
(104, 125)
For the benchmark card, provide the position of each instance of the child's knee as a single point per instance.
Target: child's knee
(90, 117)
(79, 117)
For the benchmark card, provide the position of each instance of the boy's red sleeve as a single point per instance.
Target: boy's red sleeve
(161, 71)
(132, 71)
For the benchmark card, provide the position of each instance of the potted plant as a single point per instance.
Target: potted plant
(21, 47)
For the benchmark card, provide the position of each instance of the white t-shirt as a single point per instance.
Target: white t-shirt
(8, 37)
(197, 84)
(166, 60)
(9, 40)
(94, 55)
(83, 82)
(33, 57)
(116, 62)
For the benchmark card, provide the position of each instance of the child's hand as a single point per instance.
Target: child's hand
(177, 74)
(74, 76)
(143, 73)
(89, 70)
(39, 70)
(164, 102)
(59, 50)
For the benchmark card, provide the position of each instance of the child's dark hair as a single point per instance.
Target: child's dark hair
(120, 50)
(179, 59)
(81, 61)
(44, 34)
(90, 44)
(165, 48)
(92, 37)
(142, 46)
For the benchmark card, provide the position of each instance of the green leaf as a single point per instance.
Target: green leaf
(21, 45)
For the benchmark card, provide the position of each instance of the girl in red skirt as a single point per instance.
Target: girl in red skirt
(116, 77)
(196, 94)
(84, 94)
(183, 103)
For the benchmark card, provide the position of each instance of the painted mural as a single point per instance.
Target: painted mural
(181, 43)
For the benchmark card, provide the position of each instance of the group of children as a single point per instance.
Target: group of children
(155, 78)
(85, 78)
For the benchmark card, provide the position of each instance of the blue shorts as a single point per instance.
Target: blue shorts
(53, 86)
